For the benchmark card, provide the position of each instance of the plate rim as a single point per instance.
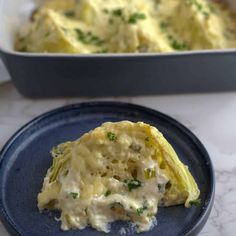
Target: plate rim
(205, 212)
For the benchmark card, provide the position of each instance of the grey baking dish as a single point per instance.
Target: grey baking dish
(56, 75)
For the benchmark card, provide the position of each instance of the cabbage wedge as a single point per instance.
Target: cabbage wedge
(118, 171)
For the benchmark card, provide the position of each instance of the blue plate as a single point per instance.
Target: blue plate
(25, 159)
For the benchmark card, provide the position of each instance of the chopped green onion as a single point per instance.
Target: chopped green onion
(74, 195)
(101, 51)
(133, 184)
(143, 208)
(69, 13)
(117, 12)
(23, 49)
(88, 37)
(111, 136)
(164, 25)
(175, 44)
(201, 8)
(135, 17)
(107, 193)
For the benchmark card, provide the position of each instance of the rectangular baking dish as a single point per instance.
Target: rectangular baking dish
(56, 75)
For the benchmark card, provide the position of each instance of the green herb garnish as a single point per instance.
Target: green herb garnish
(143, 208)
(200, 8)
(117, 12)
(164, 25)
(195, 3)
(178, 46)
(132, 184)
(23, 49)
(74, 195)
(88, 37)
(111, 136)
(101, 51)
(211, 8)
(196, 203)
(135, 17)
(175, 44)
(69, 13)
(107, 193)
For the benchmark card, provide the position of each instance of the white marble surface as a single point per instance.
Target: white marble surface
(212, 117)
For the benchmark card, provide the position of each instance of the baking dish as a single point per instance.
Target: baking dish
(54, 75)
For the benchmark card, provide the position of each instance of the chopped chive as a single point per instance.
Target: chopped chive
(73, 195)
(201, 8)
(111, 136)
(135, 17)
(107, 193)
(143, 208)
(117, 12)
(69, 13)
(23, 49)
(133, 184)
(164, 25)
(175, 44)
(88, 37)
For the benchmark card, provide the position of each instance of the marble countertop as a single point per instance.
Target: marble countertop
(212, 117)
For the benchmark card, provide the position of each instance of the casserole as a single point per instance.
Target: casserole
(54, 75)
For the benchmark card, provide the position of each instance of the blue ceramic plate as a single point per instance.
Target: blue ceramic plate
(25, 160)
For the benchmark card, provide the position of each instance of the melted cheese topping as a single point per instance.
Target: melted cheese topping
(119, 171)
(121, 26)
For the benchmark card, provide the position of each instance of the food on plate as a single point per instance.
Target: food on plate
(118, 171)
(121, 26)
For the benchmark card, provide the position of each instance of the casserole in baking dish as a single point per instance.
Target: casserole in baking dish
(53, 75)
